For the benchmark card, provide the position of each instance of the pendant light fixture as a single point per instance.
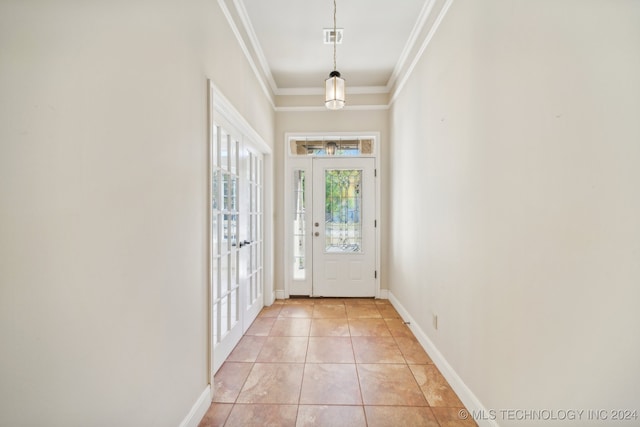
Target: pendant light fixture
(334, 94)
(330, 148)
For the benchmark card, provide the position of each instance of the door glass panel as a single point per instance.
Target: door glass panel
(215, 279)
(343, 200)
(233, 273)
(224, 317)
(226, 184)
(233, 230)
(254, 229)
(215, 244)
(233, 203)
(224, 274)
(233, 149)
(258, 263)
(216, 323)
(254, 169)
(253, 288)
(215, 190)
(259, 227)
(234, 307)
(214, 145)
(224, 241)
(299, 226)
(224, 150)
(248, 166)
(259, 199)
(254, 256)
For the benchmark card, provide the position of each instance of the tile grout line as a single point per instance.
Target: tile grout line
(307, 363)
(304, 369)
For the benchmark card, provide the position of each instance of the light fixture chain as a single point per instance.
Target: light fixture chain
(335, 35)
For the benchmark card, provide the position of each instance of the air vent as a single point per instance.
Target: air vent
(329, 35)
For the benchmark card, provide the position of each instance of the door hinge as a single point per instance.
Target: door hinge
(375, 172)
(375, 223)
(375, 274)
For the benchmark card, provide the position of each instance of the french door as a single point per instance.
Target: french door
(236, 238)
(250, 243)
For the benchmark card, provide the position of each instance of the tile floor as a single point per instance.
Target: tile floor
(331, 362)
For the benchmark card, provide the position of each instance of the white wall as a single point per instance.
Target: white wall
(103, 206)
(515, 202)
(331, 121)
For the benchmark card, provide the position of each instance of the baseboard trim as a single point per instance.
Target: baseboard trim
(468, 398)
(279, 294)
(198, 410)
(270, 299)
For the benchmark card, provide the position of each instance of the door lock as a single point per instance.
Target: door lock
(317, 233)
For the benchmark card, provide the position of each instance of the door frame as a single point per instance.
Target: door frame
(293, 162)
(220, 109)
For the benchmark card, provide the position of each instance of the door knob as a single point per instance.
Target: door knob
(317, 233)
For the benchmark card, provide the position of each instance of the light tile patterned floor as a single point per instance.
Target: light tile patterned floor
(331, 362)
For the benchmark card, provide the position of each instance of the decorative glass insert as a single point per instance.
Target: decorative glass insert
(299, 226)
(343, 218)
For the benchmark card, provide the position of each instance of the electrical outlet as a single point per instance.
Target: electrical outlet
(435, 322)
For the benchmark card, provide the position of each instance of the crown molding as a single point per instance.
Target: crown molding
(245, 50)
(353, 90)
(299, 91)
(321, 108)
(255, 44)
(405, 76)
(411, 42)
(401, 73)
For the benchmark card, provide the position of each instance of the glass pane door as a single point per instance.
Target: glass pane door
(344, 246)
(251, 236)
(225, 283)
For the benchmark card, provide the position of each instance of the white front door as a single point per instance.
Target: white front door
(236, 238)
(343, 227)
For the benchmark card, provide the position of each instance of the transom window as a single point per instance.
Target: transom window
(332, 147)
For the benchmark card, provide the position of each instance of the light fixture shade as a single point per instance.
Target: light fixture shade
(334, 93)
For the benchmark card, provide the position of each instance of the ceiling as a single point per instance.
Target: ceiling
(286, 37)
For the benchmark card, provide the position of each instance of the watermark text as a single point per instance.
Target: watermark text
(616, 415)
